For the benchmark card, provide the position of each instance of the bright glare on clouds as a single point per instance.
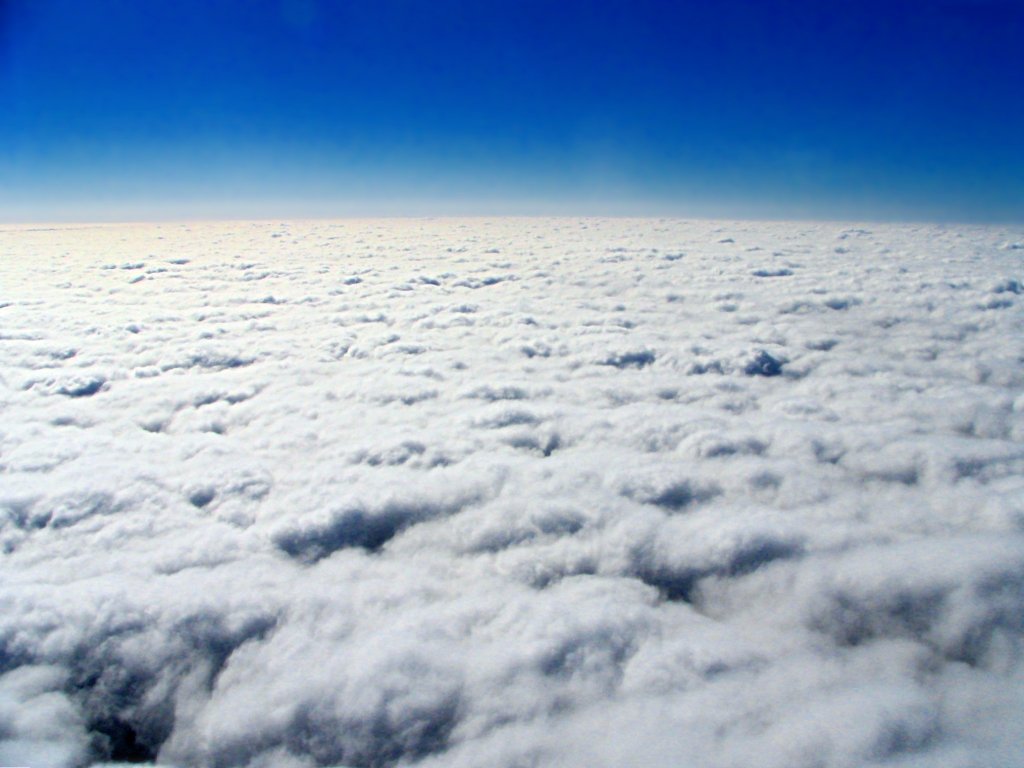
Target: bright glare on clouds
(512, 493)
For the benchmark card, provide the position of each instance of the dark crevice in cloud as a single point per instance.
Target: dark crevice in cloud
(115, 740)
(639, 359)
(853, 619)
(64, 511)
(702, 368)
(682, 584)
(363, 527)
(511, 417)
(211, 362)
(674, 496)
(131, 705)
(201, 497)
(763, 364)
(679, 496)
(494, 394)
(545, 446)
(780, 272)
(380, 742)
(353, 528)
(84, 388)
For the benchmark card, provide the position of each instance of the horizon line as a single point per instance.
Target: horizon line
(310, 218)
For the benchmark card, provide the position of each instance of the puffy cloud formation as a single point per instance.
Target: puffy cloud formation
(512, 493)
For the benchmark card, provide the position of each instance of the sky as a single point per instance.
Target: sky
(120, 110)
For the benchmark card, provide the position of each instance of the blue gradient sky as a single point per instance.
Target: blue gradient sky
(124, 109)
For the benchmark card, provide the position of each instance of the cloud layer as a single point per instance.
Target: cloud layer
(512, 493)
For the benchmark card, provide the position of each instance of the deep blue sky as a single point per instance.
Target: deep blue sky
(120, 109)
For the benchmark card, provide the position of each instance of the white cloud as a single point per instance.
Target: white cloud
(512, 492)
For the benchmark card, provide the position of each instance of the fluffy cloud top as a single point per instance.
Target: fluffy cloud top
(512, 493)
